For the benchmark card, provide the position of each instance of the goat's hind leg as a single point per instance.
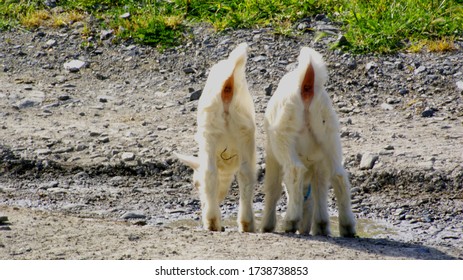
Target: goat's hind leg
(294, 179)
(247, 179)
(272, 191)
(341, 187)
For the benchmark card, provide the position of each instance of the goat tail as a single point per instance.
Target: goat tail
(239, 55)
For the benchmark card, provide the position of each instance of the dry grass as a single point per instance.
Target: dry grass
(50, 19)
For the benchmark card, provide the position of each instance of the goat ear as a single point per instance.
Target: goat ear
(191, 161)
(227, 90)
(307, 87)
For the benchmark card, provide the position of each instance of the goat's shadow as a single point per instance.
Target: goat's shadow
(380, 246)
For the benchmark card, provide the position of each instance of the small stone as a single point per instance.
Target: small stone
(351, 64)
(268, 90)
(27, 103)
(74, 65)
(460, 85)
(368, 160)
(3, 219)
(403, 91)
(371, 65)
(389, 147)
(43, 152)
(133, 215)
(125, 16)
(106, 34)
(49, 185)
(387, 107)
(419, 70)
(50, 43)
(127, 156)
(342, 41)
(189, 70)
(162, 127)
(196, 95)
(259, 58)
(64, 97)
(427, 113)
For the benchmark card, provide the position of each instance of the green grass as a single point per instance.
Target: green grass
(381, 26)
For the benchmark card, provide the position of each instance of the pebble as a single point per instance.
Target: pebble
(420, 69)
(268, 90)
(106, 34)
(368, 160)
(196, 95)
(259, 58)
(371, 65)
(43, 152)
(387, 107)
(127, 156)
(427, 113)
(3, 219)
(133, 215)
(50, 43)
(460, 85)
(125, 16)
(74, 65)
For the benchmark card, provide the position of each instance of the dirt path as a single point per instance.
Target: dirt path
(83, 150)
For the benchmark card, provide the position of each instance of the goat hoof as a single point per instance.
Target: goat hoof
(247, 226)
(322, 228)
(291, 226)
(214, 225)
(347, 231)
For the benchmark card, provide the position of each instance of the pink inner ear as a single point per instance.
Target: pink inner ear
(307, 87)
(227, 90)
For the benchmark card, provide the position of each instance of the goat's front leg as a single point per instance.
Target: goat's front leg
(341, 187)
(246, 181)
(294, 179)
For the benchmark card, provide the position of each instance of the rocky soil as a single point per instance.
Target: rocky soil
(88, 127)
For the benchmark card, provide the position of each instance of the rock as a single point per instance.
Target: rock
(127, 156)
(189, 70)
(3, 219)
(125, 16)
(196, 95)
(26, 103)
(368, 160)
(50, 3)
(259, 58)
(268, 90)
(389, 147)
(106, 34)
(387, 107)
(351, 64)
(371, 65)
(49, 185)
(43, 152)
(342, 41)
(419, 70)
(427, 113)
(460, 86)
(133, 215)
(50, 43)
(74, 65)
(403, 91)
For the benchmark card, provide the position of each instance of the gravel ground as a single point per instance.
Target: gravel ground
(88, 127)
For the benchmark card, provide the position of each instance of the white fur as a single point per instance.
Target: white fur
(226, 142)
(303, 147)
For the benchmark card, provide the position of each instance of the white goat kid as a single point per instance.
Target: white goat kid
(304, 151)
(225, 135)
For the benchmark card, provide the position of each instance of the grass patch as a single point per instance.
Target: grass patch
(381, 26)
